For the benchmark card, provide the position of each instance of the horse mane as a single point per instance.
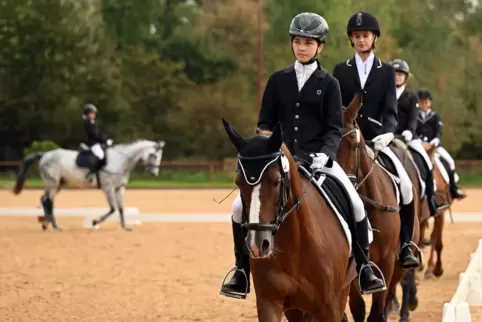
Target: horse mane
(128, 144)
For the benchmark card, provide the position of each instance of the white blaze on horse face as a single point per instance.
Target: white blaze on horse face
(255, 206)
(357, 133)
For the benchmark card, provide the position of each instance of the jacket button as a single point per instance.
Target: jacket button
(297, 104)
(297, 116)
(296, 141)
(364, 92)
(296, 128)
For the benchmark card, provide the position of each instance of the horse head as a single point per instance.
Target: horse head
(352, 145)
(263, 177)
(430, 149)
(151, 157)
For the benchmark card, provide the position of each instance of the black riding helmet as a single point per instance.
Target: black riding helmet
(89, 108)
(424, 94)
(400, 66)
(363, 21)
(310, 25)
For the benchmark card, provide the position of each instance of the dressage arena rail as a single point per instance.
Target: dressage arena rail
(469, 291)
(471, 166)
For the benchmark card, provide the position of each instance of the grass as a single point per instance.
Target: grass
(195, 179)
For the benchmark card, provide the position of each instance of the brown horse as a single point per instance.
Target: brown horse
(300, 256)
(379, 195)
(443, 189)
(407, 277)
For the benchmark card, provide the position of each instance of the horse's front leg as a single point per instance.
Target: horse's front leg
(119, 192)
(110, 195)
(269, 310)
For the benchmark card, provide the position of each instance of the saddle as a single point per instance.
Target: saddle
(333, 191)
(86, 159)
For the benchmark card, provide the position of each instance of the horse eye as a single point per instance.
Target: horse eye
(277, 182)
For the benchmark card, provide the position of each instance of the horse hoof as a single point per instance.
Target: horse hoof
(429, 275)
(438, 272)
(127, 228)
(94, 223)
(404, 319)
(412, 306)
(44, 226)
(58, 228)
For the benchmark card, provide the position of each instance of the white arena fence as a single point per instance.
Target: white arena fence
(469, 291)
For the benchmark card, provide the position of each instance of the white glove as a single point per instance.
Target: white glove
(382, 141)
(108, 142)
(319, 161)
(435, 141)
(407, 135)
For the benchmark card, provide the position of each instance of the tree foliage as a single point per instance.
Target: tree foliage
(170, 69)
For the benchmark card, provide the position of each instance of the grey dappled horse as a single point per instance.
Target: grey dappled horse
(58, 168)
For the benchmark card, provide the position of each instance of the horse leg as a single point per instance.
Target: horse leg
(438, 228)
(269, 311)
(47, 201)
(111, 200)
(379, 299)
(119, 192)
(430, 265)
(408, 283)
(357, 303)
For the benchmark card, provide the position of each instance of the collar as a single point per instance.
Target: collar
(368, 61)
(399, 91)
(309, 69)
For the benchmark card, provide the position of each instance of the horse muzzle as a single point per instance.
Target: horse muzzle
(260, 243)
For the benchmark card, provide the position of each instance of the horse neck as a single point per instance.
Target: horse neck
(295, 220)
(133, 152)
(369, 186)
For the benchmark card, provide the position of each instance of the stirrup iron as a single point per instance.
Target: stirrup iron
(372, 265)
(235, 295)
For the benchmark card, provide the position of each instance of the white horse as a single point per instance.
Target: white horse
(58, 168)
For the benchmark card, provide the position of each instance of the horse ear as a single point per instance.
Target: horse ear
(238, 141)
(161, 144)
(351, 112)
(276, 139)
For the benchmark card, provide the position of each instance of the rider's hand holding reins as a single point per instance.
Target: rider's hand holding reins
(435, 141)
(382, 141)
(319, 161)
(407, 135)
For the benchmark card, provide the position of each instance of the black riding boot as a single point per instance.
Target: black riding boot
(433, 206)
(369, 283)
(454, 188)
(407, 258)
(239, 285)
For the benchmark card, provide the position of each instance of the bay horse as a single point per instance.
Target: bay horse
(379, 194)
(58, 168)
(299, 253)
(436, 237)
(422, 213)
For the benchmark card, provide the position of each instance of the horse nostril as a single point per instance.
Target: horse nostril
(265, 246)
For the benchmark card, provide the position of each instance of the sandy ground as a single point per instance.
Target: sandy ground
(159, 272)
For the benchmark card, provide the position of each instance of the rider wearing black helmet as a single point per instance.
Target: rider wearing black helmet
(305, 100)
(95, 139)
(407, 126)
(429, 129)
(378, 116)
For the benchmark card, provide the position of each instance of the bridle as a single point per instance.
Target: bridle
(354, 178)
(279, 159)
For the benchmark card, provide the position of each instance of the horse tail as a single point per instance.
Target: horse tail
(22, 173)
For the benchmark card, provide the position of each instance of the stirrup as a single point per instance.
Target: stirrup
(372, 265)
(235, 295)
(419, 252)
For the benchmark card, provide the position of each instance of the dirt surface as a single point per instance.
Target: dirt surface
(159, 272)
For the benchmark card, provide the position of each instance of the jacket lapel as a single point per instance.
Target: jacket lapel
(376, 67)
(291, 82)
(354, 72)
(313, 80)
